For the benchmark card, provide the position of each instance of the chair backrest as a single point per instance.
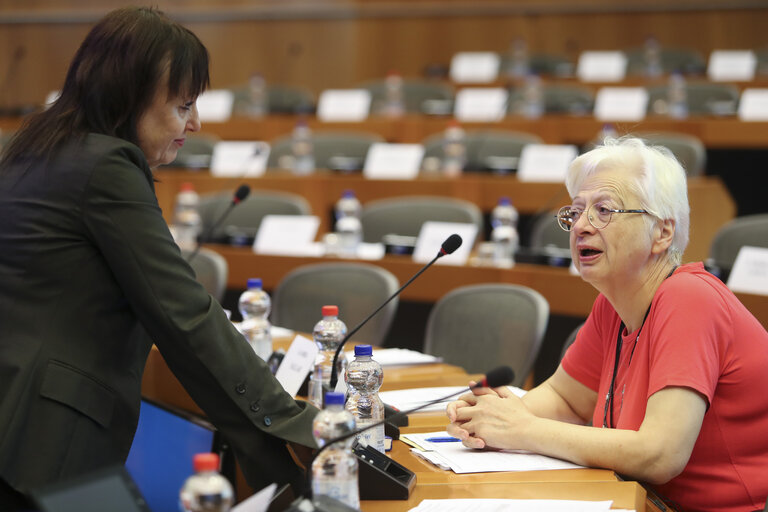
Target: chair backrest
(495, 150)
(747, 230)
(480, 327)
(196, 152)
(405, 215)
(281, 99)
(688, 150)
(545, 232)
(704, 98)
(684, 60)
(357, 288)
(332, 150)
(558, 99)
(245, 219)
(419, 96)
(211, 270)
(541, 64)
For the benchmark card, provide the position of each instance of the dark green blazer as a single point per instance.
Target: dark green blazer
(89, 277)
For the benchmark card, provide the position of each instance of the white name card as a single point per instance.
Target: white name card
(750, 271)
(601, 66)
(546, 162)
(753, 105)
(291, 235)
(235, 158)
(475, 67)
(481, 104)
(621, 104)
(345, 105)
(432, 236)
(732, 65)
(297, 363)
(215, 106)
(393, 161)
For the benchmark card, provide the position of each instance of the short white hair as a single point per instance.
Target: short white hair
(654, 175)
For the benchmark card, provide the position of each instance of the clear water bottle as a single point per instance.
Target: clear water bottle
(518, 66)
(677, 96)
(334, 471)
(652, 57)
(257, 96)
(394, 105)
(349, 229)
(364, 377)
(328, 334)
(254, 305)
(533, 97)
(454, 150)
(187, 224)
(206, 490)
(302, 149)
(504, 233)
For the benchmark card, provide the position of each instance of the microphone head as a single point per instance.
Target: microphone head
(451, 243)
(501, 376)
(241, 193)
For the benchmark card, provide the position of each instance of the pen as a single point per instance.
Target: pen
(443, 440)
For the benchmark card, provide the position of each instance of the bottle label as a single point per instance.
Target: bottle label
(345, 491)
(373, 437)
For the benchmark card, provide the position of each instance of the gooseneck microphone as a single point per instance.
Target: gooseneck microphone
(450, 245)
(240, 194)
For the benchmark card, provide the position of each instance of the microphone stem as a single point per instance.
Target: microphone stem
(210, 231)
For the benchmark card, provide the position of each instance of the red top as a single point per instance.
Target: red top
(697, 335)
(205, 462)
(330, 310)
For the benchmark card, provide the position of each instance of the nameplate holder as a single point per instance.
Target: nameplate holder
(753, 105)
(215, 106)
(545, 162)
(750, 271)
(297, 363)
(393, 161)
(621, 104)
(481, 104)
(601, 66)
(344, 105)
(233, 159)
(433, 234)
(288, 235)
(732, 66)
(475, 67)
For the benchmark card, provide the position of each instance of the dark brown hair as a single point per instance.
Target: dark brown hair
(112, 80)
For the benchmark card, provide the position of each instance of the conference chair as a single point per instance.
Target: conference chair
(405, 215)
(419, 96)
(688, 149)
(242, 223)
(480, 327)
(211, 270)
(762, 61)
(570, 339)
(196, 152)
(749, 230)
(356, 288)
(558, 99)
(281, 99)
(486, 150)
(704, 98)
(343, 151)
(683, 60)
(545, 232)
(541, 64)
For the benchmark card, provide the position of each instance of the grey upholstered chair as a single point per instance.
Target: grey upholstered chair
(419, 96)
(541, 64)
(558, 99)
(494, 150)
(570, 339)
(357, 288)
(704, 98)
(244, 221)
(480, 327)
(196, 152)
(545, 232)
(332, 150)
(688, 150)
(211, 270)
(405, 215)
(683, 60)
(281, 99)
(747, 230)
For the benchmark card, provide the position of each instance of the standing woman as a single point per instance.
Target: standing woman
(670, 367)
(90, 276)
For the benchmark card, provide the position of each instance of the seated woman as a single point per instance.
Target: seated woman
(669, 363)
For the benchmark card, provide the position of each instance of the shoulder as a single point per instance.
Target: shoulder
(691, 286)
(107, 150)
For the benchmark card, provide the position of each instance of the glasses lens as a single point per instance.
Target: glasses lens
(599, 215)
(565, 218)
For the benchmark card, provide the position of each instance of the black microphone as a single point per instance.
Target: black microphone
(240, 194)
(380, 476)
(450, 245)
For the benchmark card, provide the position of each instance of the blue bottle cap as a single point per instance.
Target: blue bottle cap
(254, 282)
(504, 200)
(334, 398)
(348, 193)
(363, 350)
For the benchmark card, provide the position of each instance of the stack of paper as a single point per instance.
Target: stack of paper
(506, 505)
(405, 399)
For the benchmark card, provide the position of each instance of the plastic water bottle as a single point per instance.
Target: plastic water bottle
(454, 150)
(504, 233)
(328, 334)
(257, 96)
(364, 377)
(349, 229)
(677, 96)
(652, 57)
(206, 490)
(394, 106)
(254, 305)
(533, 97)
(187, 224)
(518, 66)
(334, 471)
(303, 149)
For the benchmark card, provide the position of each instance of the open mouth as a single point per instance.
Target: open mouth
(588, 252)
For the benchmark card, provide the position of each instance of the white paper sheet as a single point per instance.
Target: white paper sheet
(398, 357)
(405, 399)
(511, 505)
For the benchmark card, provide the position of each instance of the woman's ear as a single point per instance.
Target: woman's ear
(663, 234)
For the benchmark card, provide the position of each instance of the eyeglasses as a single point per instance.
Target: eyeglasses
(598, 215)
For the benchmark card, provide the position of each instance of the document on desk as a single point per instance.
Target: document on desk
(398, 357)
(461, 459)
(405, 399)
(509, 505)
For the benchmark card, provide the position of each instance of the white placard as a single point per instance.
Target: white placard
(475, 67)
(297, 363)
(545, 162)
(235, 158)
(215, 106)
(750, 271)
(621, 104)
(601, 66)
(732, 65)
(258, 502)
(432, 236)
(393, 161)
(481, 104)
(346, 105)
(753, 105)
(287, 234)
